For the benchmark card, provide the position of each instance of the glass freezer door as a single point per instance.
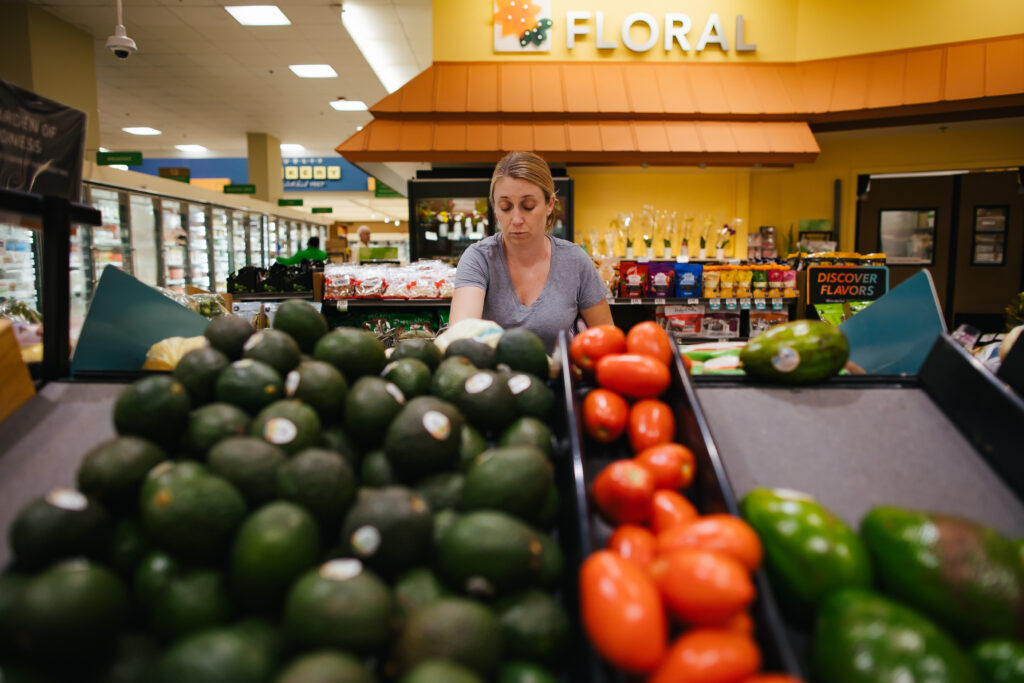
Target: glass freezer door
(108, 243)
(274, 244)
(239, 241)
(221, 249)
(175, 247)
(257, 240)
(198, 248)
(18, 261)
(144, 241)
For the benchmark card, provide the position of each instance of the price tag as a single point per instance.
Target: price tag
(715, 304)
(682, 259)
(341, 305)
(745, 304)
(730, 304)
(635, 302)
(760, 304)
(776, 304)
(692, 302)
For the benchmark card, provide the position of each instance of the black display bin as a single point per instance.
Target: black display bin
(711, 492)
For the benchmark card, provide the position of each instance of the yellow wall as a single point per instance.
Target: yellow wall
(783, 30)
(781, 197)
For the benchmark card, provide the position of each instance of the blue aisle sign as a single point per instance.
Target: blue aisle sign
(320, 174)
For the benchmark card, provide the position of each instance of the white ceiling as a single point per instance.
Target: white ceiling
(202, 78)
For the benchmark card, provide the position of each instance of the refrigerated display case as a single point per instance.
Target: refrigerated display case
(106, 244)
(447, 215)
(273, 241)
(143, 211)
(198, 246)
(258, 241)
(221, 248)
(19, 256)
(239, 241)
(174, 241)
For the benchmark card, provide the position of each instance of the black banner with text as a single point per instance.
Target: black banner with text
(41, 144)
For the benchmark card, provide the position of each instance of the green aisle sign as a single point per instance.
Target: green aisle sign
(126, 158)
(289, 202)
(382, 190)
(323, 209)
(240, 189)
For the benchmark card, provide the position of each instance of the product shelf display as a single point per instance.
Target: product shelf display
(221, 249)
(198, 247)
(174, 246)
(107, 244)
(18, 265)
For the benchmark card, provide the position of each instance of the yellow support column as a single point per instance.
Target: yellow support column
(265, 166)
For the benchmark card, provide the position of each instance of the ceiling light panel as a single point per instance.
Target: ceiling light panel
(348, 105)
(191, 149)
(142, 130)
(313, 70)
(258, 15)
(291, 147)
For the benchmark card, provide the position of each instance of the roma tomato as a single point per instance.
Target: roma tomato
(633, 375)
(772, 678)
(741, 622)
(622, 612)
(604, 415)
(594, 343)
(702, 588)
(670, 509)
(649, 339)
(634, 543)
(651, 422)
(672, 465)
(623, 491)
(719, 533)
(707, 655)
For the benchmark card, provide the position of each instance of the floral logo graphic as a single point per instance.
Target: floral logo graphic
(522, 25)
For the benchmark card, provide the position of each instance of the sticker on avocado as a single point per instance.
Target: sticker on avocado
(437, 424)
(341, 570)
(244, 363)
(388, 368)
(365, 540)
(519, 384)
(478, 585)
(252, 341)
(280, 430)
(67, 499)
(291, 383)
(395, 392)
(478, 382)
(786, 359)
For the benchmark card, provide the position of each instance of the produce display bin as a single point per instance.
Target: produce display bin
(711, 492)
(946, 440)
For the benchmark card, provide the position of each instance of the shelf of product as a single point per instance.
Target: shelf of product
(18, 265)
(198, 248)
(175, 246)
(239, 242)
(419, 280)
(221, 248)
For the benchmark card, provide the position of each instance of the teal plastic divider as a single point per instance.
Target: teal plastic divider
(125, 318)
(894, 335)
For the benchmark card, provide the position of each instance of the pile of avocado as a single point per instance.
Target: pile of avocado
(291, 506)
(913, 597)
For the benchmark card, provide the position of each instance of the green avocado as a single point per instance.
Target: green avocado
(799, 352)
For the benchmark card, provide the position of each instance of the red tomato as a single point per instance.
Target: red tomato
(707, 655)
(672, 465)
(701, 587)
(772, 678)
(604, 415)
(741, 622)
(623, 492)
(633, 375)
(634, 543)
(651, 422)
(649, 339)
(622, 612)
(594, 343)
(670, 509)
(719, 533)
(687, 363)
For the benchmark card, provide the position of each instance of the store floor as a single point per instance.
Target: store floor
(43, 442)
(855, 448)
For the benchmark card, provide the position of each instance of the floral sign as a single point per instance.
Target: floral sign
(522, 25)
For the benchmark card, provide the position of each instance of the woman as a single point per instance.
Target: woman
(522, 276)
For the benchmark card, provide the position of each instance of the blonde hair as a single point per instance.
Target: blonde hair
(531, 168)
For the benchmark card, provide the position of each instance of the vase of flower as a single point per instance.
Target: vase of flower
(720, 253)
(666, 250)
(702, 253)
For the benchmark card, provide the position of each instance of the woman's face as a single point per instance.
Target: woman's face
(521, 209)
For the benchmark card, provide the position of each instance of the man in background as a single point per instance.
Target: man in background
(312, 252)
(364, 241)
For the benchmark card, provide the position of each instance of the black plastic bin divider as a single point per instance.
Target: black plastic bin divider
(985, 409)
(710, 492)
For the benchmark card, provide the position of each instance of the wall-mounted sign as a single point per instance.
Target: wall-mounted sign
(528, 26)
(289, 202)
(182, 174)
(42, 144)
(323, 209)
(313, 174)
(836, 284)
(240, 189)
(126, 158)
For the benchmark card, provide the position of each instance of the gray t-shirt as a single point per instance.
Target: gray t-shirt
(573, 285)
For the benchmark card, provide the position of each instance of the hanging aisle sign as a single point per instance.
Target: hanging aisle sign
(42, 144)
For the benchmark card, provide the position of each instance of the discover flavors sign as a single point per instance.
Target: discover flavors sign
(41, 144)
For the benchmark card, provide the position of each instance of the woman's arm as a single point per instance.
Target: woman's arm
(598, 314)
(468, 302)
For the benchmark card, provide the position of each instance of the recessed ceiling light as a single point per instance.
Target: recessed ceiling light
(258, 15)
(141, 130)
(291, 147)
(104, 149)
(191, 148)
(359, 127)
(119, 167)
(313, 70)
(349, 105)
